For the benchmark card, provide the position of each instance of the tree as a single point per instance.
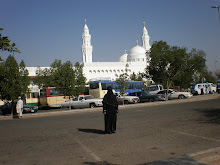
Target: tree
(11, 88)
(44, 78)
(122, 82)
(11, 81)
(5, 45)
(25, 80)
(173, 65)
(209, 76)
(137, 77)
(133, 76)
(197, 64)
(80, 79)
(217, 74)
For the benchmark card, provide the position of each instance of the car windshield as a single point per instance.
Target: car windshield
(154, 88)
(75, 99)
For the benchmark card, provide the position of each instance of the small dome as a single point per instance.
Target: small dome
(123, 58)
(137, 53)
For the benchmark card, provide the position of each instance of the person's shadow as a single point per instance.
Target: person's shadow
(96, 131)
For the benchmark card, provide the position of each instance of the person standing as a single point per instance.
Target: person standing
(218, 88)
(19, 107)
(110, 110)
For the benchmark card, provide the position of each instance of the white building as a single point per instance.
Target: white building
(135, 60)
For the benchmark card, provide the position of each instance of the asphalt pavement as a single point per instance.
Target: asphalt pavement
(211, 156)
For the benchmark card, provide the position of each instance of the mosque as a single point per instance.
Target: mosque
(135, 61)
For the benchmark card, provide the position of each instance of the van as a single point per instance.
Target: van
(203, 88)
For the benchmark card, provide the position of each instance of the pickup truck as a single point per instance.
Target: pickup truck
(127, 99)
(84, 101)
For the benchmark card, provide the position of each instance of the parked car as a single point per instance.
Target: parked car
(28, 108)
(175, 95)
(84, 101)
(6, 108)
(146, 96)
(177, 88)
(126, 99)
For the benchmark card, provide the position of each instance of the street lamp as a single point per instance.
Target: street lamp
(218, 11)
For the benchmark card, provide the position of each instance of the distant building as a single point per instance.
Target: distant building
(135, 61)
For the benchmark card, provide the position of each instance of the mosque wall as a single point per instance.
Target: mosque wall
(111, 69)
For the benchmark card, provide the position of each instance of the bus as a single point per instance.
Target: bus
(51, 97)
(98, 89)
(32, 97)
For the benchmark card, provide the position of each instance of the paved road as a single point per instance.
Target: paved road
(146, 133)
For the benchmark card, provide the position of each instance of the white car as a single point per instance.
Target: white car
(175, 95)
(126, 99)
(84, 101)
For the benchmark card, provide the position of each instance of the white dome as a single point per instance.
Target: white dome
(137, 50)
(137, 53)
(123, 58)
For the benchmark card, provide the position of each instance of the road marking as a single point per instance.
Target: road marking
(206, 138)
(89, 151)
(211, 158)
(205, 152)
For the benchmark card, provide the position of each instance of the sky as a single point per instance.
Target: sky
(45, 30)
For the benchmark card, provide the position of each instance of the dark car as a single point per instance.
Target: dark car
(29, 108)
(6, 108)
(145, 96)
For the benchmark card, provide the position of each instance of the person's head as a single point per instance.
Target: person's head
(19, 97)
(109, 88)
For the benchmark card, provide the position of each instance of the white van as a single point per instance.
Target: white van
(203, 88)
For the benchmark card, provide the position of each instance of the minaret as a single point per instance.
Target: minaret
(86, 45)
(145, 39)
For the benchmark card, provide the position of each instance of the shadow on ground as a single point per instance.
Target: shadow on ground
(183, 160)
(211, 115)
(96, 131)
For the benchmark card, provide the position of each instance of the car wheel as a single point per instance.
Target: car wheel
(181, 97)
(151, 100)
(92, 105)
